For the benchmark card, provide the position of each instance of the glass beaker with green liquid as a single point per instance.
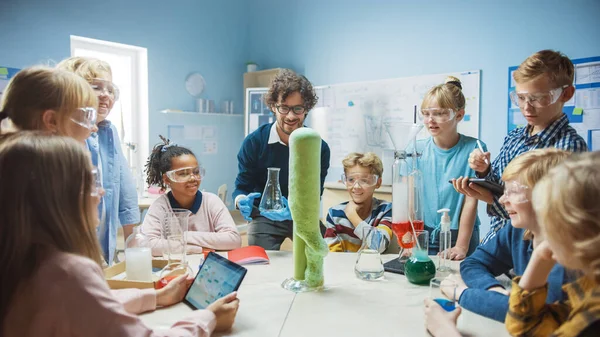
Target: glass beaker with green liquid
(420, 269)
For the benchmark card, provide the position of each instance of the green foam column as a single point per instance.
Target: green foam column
(304, 200)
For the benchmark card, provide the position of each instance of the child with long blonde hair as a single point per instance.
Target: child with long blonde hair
(121, 204)
(52, 283)
(567, 207)
(42, 98)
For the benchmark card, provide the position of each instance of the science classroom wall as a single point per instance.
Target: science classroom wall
(339, 41)
(183, 36)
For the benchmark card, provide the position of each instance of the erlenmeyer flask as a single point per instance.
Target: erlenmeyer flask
(271, 197)
(175, 227)
(368, 264)
(419, 269)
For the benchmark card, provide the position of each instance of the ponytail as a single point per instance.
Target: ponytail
(159, 161)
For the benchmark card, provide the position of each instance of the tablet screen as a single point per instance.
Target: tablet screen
(216, 278)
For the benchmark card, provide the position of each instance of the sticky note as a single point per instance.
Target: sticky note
(577, 111)
(467, 118)
(350, 103)
(3, 71)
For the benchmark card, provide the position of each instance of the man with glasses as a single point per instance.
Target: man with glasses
(544, 83)
(290, 98)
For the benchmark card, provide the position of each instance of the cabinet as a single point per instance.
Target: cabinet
(256, 85)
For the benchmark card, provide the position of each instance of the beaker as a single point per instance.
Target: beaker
(368, 264)
(420, 269)
(138, 256)
(443, 291)
(271, 197)
(175, 227)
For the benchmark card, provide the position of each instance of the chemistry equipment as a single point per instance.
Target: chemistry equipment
(368, 264)
(271, 197)
(445, 241)
(138, 256)
(175, 227)
(419, 269)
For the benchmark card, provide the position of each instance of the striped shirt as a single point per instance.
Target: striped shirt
(559, 135)
(529, 315)
(342, 236)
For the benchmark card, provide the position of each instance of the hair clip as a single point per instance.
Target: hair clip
(165, 147)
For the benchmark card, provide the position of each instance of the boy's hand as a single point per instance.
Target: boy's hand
(477, 162)
(463, 186)
(438, 321)
(351, 208)
(456, 253)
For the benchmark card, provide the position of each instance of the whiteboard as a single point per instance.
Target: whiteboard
(350, 117)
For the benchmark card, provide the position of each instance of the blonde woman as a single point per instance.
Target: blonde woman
(566, 204)
(121, 201)
(444, 159)
(41, 98)
(52, 283)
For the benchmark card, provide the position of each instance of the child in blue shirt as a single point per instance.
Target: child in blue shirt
(443, 159)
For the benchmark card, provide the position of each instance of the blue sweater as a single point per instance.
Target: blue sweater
(505, 251)
(256, 155)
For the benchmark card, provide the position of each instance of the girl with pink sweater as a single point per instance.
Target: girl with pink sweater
(52, 283)
(210, 224)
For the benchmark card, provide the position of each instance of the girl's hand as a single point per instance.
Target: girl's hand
(477, 161)
(456, 253)
(174, 291)
(225, 309)
(438, 321)
(463, 186)
(544, 252)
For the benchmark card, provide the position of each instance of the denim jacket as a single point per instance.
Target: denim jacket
(120, 201)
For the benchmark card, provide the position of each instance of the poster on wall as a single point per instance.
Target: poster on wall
(6, 74)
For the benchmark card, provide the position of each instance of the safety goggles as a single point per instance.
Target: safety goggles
(97, 183)
(438, 115)
(515, 192)
(104, 87)
(85, 117)
(364, 180)
(186, 174)
(537, 100)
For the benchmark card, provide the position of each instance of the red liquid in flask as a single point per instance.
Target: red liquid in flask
(402, 228)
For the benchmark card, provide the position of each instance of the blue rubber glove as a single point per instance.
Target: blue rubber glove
(246, 204)
(279, 215)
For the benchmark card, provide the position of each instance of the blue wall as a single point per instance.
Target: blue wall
(337, 41)
(181, 36)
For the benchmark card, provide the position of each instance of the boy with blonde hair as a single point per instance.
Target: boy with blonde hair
(544, 83)
(566, 204)
(348, 223)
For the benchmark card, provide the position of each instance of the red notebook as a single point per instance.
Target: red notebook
(248, 255)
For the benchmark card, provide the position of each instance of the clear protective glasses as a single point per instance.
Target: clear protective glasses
(296, 109)
(97, 180)
(515, 192)
(364, 180)
(85, 117)
(186, 174)
(536, 100)
(101, 87)
(438, 115)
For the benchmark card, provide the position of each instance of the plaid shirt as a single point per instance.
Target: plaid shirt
(559, 134)
(529, 315)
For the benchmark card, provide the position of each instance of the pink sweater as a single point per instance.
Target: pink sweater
(211, 227)
(68, 296)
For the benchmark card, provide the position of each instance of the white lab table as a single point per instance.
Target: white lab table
(346, 307)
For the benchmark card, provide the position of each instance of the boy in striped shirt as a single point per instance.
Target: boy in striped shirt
(348, 223)
(544, 83)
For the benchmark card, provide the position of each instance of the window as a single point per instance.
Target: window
(130, 113)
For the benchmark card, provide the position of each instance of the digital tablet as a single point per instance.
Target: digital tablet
(216, 278)
(491, 186)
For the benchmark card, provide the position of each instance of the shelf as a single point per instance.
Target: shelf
(177, 112)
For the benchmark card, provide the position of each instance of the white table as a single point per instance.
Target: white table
(347, 307)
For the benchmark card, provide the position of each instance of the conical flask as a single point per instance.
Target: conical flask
(271, 197)
(368, 264)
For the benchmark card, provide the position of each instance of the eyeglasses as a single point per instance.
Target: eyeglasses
(97, 179)
(537, 100)
(85, 117)
(296, 109)
(186, 174)
(515, 192)
(364, 180)
(437, 115)
(101, 87)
